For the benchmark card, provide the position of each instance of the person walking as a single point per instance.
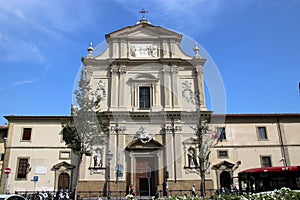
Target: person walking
(131, 191)
(193, 191)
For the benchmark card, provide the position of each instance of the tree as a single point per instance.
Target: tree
(85, 129)
(206, 139)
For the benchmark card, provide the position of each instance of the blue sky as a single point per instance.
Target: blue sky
(254, 43)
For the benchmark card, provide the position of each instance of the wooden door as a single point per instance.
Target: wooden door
(63, 181)
(145, 177)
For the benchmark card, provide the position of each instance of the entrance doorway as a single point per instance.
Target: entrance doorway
(63, 181)
(225, 179)
(146, 176)
(145, 186)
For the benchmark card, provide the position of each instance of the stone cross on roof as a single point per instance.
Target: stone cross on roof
(143, 12)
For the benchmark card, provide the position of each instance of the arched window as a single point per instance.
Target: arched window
(119, 170)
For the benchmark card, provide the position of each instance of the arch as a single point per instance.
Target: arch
(63, 182)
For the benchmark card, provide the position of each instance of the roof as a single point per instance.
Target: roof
(261, 115)
(29, 117)
(255, 118)
(227, 116)
(271, 169)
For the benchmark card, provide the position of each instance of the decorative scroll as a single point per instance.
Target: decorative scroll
(187, 92)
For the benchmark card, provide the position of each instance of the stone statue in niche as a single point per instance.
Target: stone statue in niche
(100, 93)
(97, 161)
(192, 160)
(97, 157)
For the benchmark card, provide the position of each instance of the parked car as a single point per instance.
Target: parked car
(11, 197)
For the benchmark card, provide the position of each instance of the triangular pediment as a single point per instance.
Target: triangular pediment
(190, 141)
(223, 165)
(63, 164)
(142, 33)
(143, 41)
(144, 30)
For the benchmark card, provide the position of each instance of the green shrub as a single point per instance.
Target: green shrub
(282, 194)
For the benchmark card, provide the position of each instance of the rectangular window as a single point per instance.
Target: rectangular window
(22, 168)
(144, 97)
(26, 134)
(221, 133)
(266, 161)
(262, 133)
(1, 156)
(64, 155)
(223, 154)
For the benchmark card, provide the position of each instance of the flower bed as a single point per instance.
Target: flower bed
(282, 194)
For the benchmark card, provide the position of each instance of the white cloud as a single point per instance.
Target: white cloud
(29, 27)
(192, 14)
(19, 14)
(23, 82)
(22, 50)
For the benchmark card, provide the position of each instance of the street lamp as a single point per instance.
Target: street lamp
(117, 129)
(109, 156)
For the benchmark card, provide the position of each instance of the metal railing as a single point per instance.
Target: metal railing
(120, 195)
(85, 195)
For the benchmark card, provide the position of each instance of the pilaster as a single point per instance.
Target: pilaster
(122, 77)
(114, 88)
(200, 86)
(174, 89)
(166, 87)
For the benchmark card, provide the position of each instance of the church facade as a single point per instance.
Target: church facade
(147, 86)
(152, 95)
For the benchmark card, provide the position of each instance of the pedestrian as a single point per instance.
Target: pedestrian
(193, 191)
(131, 191)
